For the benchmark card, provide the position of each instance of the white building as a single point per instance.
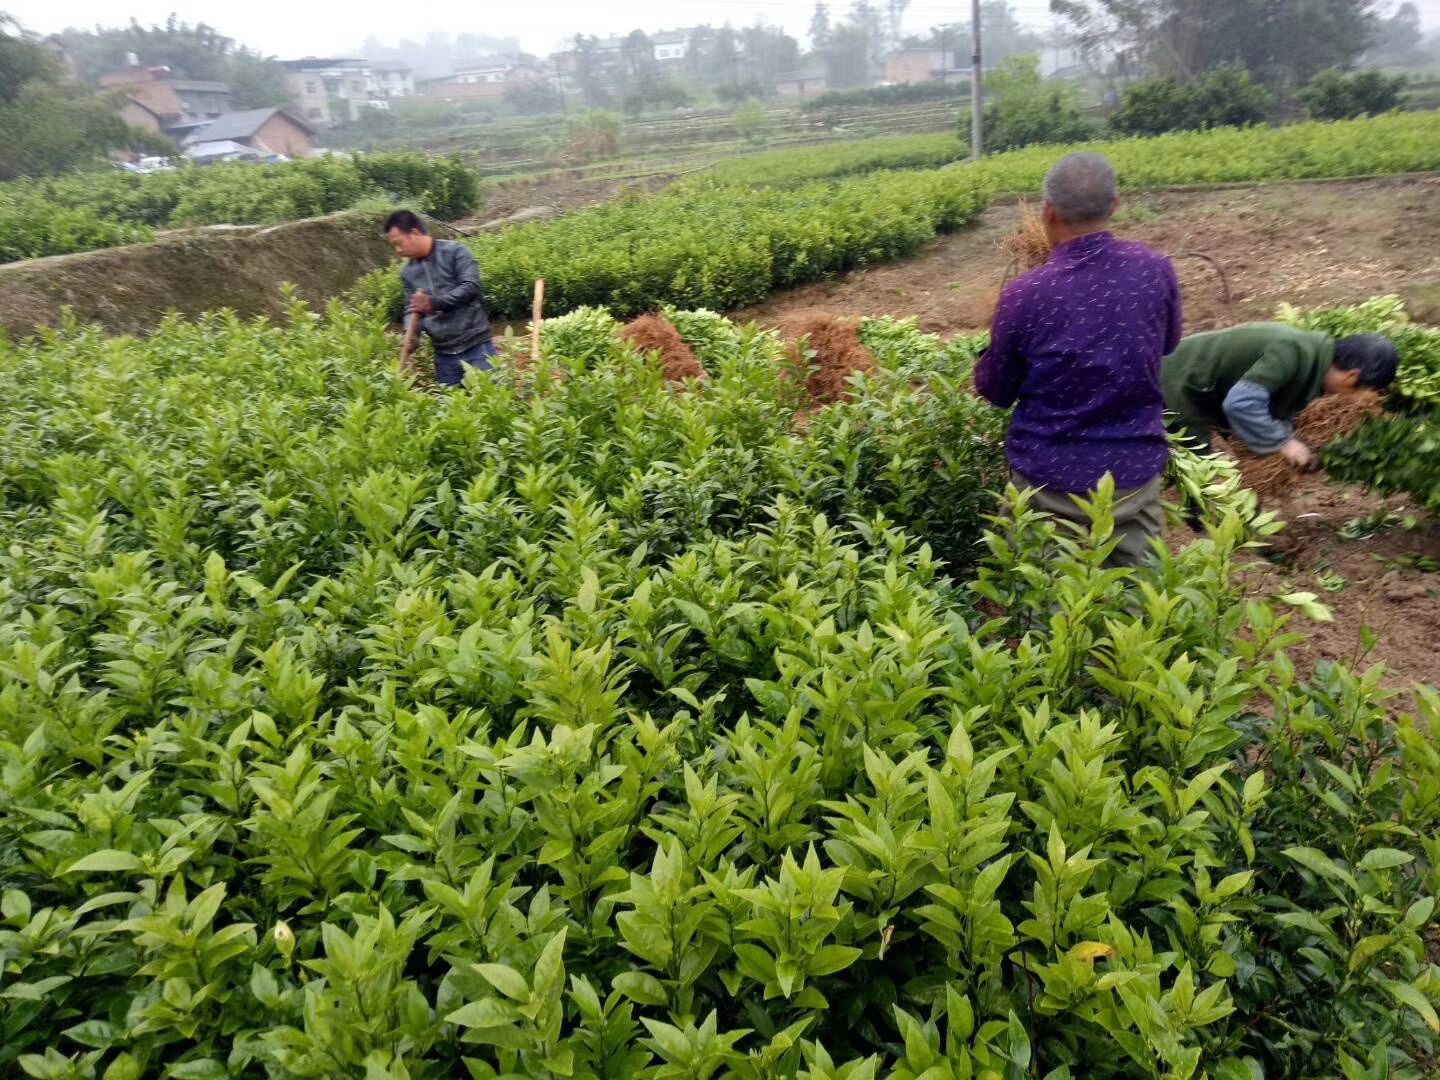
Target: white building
(670, 45)
(391, 79)
(332, 90)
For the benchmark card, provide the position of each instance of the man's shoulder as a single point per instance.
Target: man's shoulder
(454, 252)
(1140, 252)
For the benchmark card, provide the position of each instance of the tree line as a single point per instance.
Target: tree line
(52, 123)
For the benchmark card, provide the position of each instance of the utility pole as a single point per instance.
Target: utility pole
(977, 89)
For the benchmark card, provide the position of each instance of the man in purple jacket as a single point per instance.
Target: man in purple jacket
(1075, 346)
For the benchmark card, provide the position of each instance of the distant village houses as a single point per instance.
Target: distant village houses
(156, 101)
(924, 65)
(393, 79)
(482, 81)
(251, 134)
(801, 84)
(671, 46)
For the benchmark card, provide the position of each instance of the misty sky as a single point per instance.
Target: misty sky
(288, 29)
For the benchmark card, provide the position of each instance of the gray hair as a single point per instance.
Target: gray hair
(1081, 188)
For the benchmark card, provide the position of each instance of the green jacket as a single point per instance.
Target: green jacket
(1196, 377)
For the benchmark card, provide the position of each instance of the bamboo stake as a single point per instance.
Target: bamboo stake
(535, 318)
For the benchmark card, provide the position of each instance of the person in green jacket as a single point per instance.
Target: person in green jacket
(1250, 381)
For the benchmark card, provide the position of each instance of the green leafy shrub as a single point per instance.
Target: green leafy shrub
(1396, 142)
(633, 255)
(897, 94)
(1024, 109)
(709, 334)
(580, 335)
(783, 168)
(80, 212)
(1391, 454)
(1222, 97)
(560, 728)
(750, 121)
(1334, 95)
(30, 230)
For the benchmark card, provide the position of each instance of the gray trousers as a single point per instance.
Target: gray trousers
(1139, 515)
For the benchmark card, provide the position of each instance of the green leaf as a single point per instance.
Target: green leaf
(109, 861)
(14, 904)
(505, 979)
(264, 986)
(829, 959)
(485, 1013)
(1384, 859)
(34, 991)
(124, 1067)
(1406, 994)
(1308, 604)
(1367, 948)
(199, 1069)
(641, 988)
(96, 1033)
(1420, 912)
(1319, 863)
(549, 969)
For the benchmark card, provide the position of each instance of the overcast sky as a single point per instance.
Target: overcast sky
(289, 29)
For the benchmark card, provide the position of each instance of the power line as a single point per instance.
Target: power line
(1036, 9)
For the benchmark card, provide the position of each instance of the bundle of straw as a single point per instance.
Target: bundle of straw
(1326, 418)
(1028, 246)
(1330, 417)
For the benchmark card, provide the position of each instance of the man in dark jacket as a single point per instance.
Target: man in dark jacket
(442, 283)
(1252, 380)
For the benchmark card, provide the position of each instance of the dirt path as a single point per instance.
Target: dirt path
(1372, 561)
(1302, 243)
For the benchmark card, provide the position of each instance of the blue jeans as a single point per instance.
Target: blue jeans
(448, 366)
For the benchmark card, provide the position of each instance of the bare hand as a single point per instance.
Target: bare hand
(1298, 454)
(421, 303)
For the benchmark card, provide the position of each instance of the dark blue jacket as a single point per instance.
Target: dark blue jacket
(451, 279)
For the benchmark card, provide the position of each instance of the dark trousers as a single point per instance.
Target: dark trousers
(449, 367)
(1138, 514)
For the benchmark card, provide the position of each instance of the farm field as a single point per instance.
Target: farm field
(530, 147)
(686, 713)
(593, 724)
(732, 238)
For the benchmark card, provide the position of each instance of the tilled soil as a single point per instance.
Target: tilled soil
(1302, 243)
(1373, 562)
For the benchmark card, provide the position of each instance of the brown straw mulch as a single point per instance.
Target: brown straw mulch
(654, 333)
(838, 353)
(1330, 417)
(1326, 418)
(1269, 477)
